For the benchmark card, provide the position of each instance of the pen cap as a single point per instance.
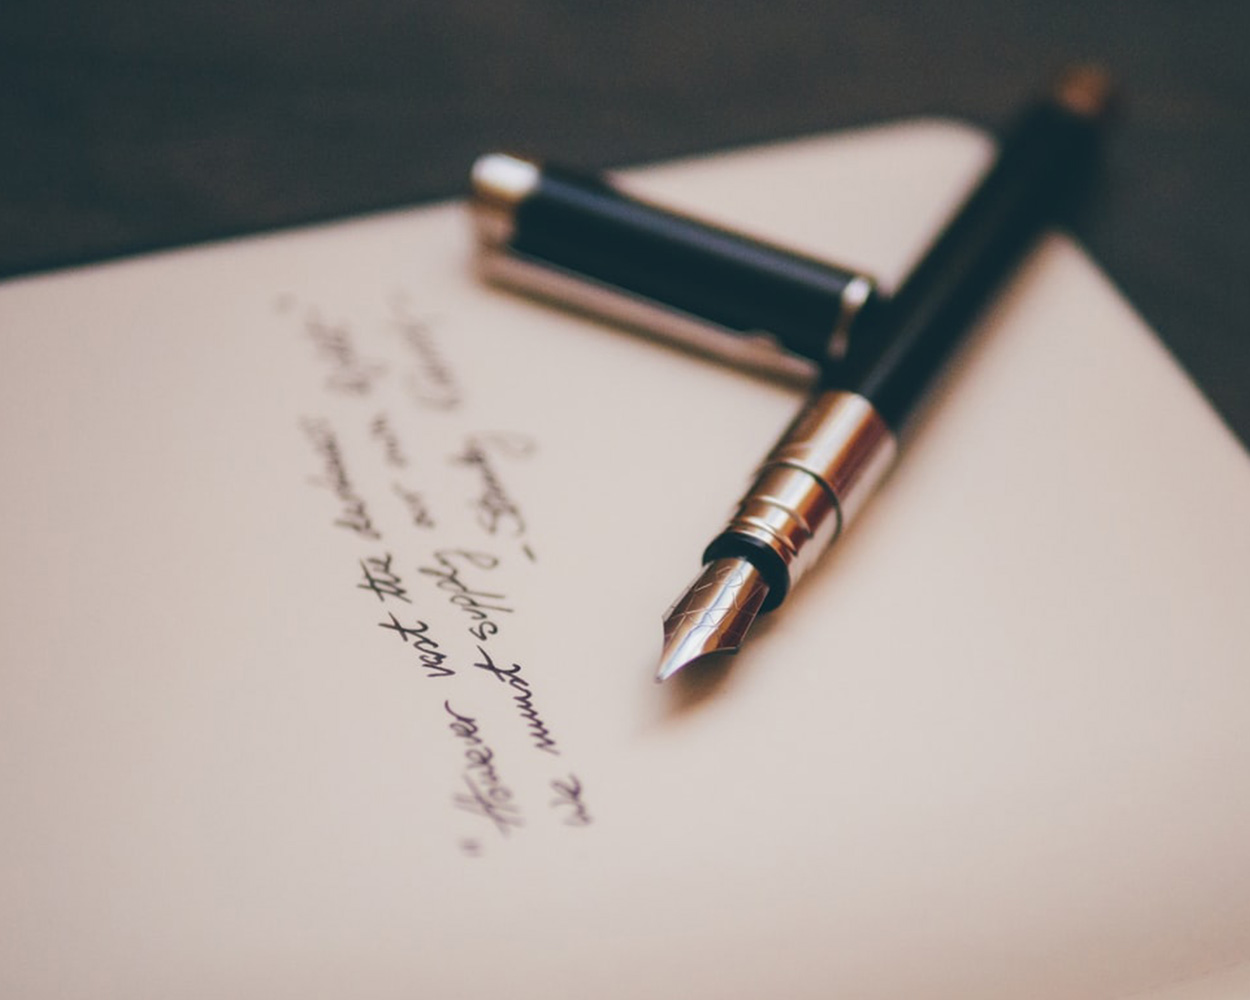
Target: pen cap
(578, 240)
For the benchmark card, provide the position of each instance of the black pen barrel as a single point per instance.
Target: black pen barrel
(1043, 159)
(841, 445)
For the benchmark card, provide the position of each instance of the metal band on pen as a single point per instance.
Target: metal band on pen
(809, 489)
(576, 240)
(831, 458)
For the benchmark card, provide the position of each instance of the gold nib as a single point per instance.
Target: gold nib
(713, 616)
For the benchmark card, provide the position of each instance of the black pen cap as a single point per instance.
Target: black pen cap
(576, 239)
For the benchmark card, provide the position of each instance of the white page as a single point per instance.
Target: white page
(995, 746)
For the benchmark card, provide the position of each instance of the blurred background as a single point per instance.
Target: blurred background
(130, 125)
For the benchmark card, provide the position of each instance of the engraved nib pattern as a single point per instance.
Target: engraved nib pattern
(713, 615)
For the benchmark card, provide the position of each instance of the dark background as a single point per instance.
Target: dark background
(132, 124)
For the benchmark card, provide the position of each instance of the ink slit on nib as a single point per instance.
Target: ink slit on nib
(713, 615)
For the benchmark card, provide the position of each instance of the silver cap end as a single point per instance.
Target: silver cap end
(713, 615)
(500, 183)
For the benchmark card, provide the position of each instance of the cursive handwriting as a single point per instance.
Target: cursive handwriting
(432, 384)
(524, 699)
(488, 796)
(427, 648)
(418, 509)
(381, 579)
(353, 513)
(451, 563)
(485, 471)
(350, 374)
(496, 511)
(569, 797)
(380, 430)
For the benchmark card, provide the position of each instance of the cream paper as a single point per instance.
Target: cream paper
(331, 602)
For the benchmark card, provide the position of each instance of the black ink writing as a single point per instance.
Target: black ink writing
(380, 430)
(353, 512)
(447, 574)
(487, 794)
(496, 511)
(432, 384)
(383, 581)
(427, 648)
(418, 509)
(350, 374)
(569, 799)
(524, 699)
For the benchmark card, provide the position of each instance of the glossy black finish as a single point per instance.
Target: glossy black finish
(1043, 164)
(580, 224)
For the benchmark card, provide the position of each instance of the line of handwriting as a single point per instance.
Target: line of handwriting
(382, 431)
(433, 384)
(569, 800)
(383, 581)
(419, 638)
(524, 699)
(497, 512)
(487, 795)
(350, 374)
(447, 574)
(395, 455)
(353, 512)
(414, 503)
(380, 579)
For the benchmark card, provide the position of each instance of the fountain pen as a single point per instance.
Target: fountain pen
(844, 440)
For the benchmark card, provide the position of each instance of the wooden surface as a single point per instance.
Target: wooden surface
(133, 124)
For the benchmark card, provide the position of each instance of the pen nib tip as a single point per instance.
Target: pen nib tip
(713, 615)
